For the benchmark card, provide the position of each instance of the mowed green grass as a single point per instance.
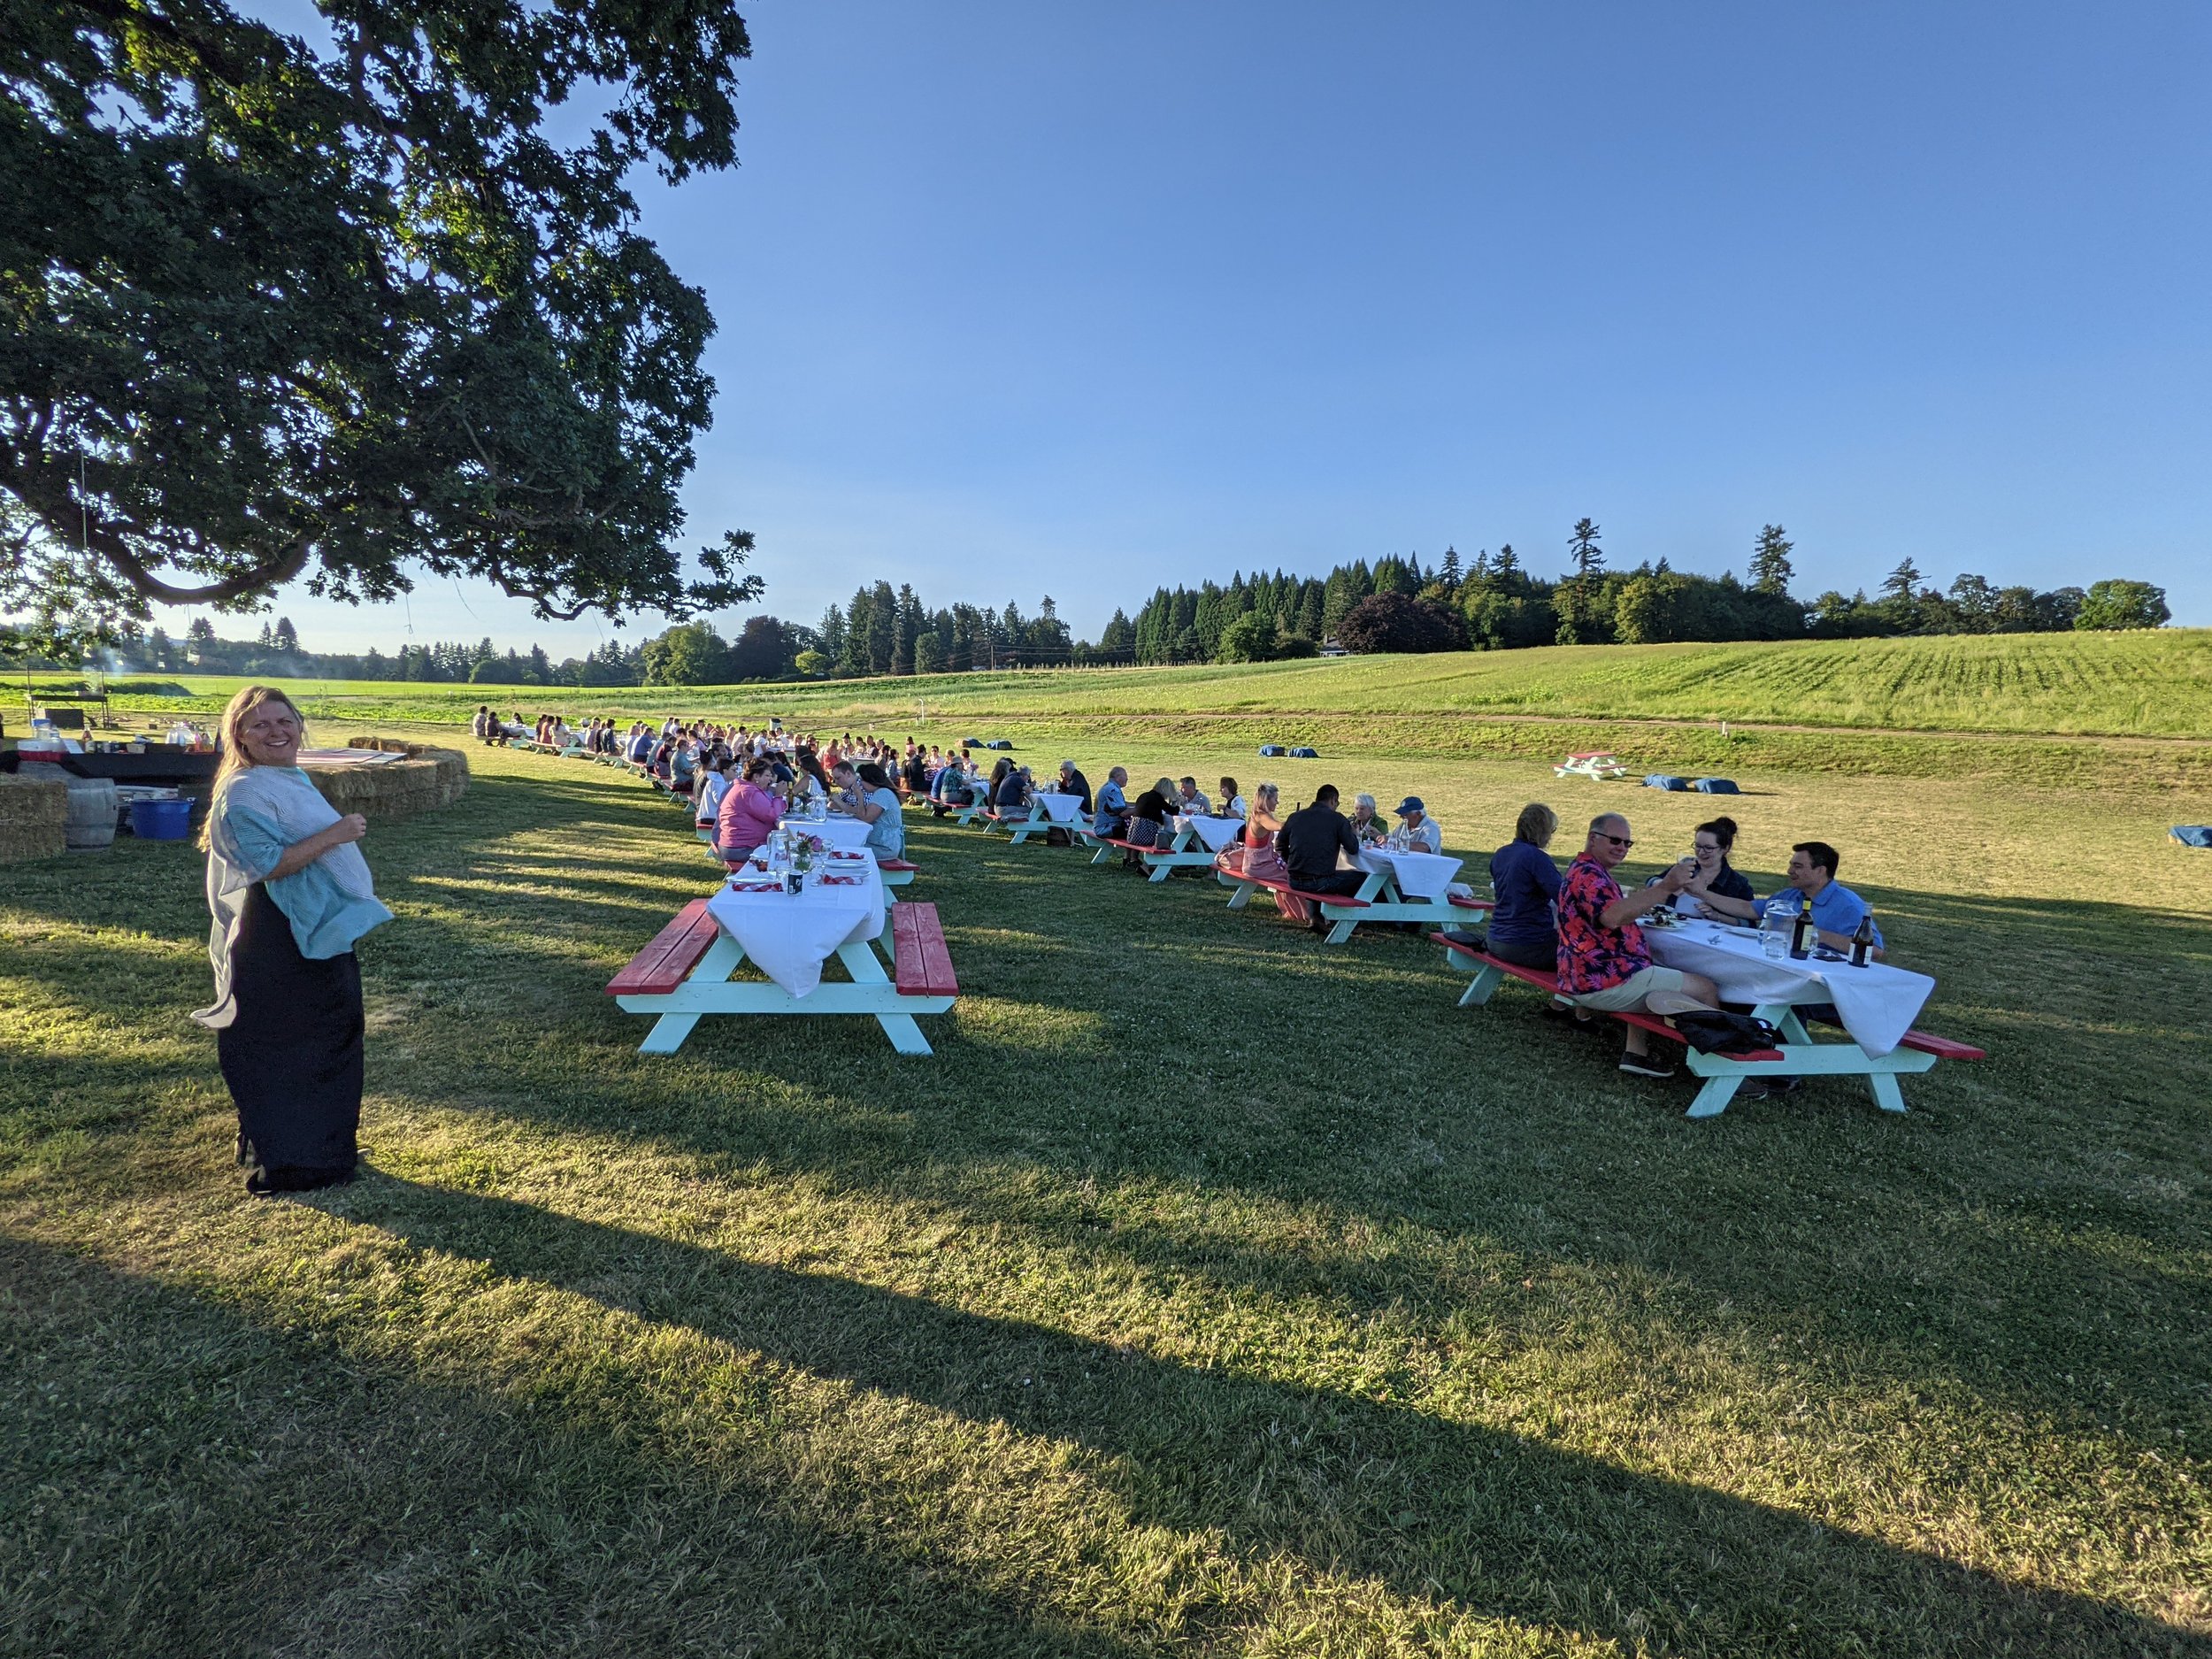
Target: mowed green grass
(1209, 1292)
(2152, 684)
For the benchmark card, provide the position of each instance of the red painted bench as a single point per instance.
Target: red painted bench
(922, 964)
(1942, 1048)
(1550, 982)
(670, 958)
(1296, 904)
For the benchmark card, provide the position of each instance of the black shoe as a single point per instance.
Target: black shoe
(291, 1177)
(1767, 1087)
(1644, 1065)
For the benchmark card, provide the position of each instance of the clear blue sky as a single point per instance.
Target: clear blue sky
(1018, 299)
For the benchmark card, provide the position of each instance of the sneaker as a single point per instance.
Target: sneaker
(1644, 1065)
(1767, 1087)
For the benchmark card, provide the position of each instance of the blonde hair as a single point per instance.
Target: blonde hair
(1538, 823)
(231, 742)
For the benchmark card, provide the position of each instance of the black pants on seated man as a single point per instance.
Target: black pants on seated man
(1337, 882)
(1541, 954)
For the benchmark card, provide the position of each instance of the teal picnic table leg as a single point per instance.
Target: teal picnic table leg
(1105, 851)
(1887, 1096)
(1712, 1098)
(1480, 989)
(860, 961)
(1375, 887)
(1242, 897)
(1180, 844)
(670, 1030)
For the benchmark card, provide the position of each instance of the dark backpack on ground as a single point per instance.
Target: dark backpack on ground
(1717, 1032)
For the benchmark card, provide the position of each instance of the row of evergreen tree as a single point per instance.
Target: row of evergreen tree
(1496, 602)
(1491, 602)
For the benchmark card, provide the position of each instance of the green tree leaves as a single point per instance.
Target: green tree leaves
(349, 312)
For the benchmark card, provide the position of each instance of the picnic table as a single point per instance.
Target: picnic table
(1048, 810)
(1181, 852)
(1595, 762)
(685, 973)
(1877, 1003)
(1400, 887)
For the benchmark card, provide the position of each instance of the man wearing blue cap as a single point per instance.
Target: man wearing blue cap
(1418, 828)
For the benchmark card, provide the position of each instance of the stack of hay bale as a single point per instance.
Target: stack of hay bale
(34, 815)
(429, 778)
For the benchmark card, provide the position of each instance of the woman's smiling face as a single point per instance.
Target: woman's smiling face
(271, 735)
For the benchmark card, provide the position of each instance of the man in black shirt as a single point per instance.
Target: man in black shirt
(1309, 841)
(1073, 782)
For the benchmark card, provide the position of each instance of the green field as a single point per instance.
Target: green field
(1209, 1292)
(2147, 685)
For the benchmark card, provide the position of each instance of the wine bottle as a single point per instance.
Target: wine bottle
(1863, 940)
(1802, 933)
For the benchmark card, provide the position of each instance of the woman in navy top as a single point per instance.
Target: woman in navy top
(1525, 881)
(1712, 843)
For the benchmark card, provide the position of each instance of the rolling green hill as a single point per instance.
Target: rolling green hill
(2144, 685)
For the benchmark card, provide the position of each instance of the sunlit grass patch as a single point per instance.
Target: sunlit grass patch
(1208, 1290)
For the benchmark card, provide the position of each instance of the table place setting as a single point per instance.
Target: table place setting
(1877, 1002)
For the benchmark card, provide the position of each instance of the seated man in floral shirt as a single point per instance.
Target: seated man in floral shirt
(1602, 962)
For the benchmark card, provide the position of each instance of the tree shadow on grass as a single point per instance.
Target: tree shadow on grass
(362, 1510)
(1492, 1524)
(1888, 1242)
(1218, 1057)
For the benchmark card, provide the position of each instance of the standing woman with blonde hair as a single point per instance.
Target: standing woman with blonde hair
(290, 893)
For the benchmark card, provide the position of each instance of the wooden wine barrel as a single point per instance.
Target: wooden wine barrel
(91, 824)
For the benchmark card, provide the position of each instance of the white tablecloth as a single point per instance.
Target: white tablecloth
(1877, 1003)
(1061, 808)
(1419, 875)
(848, 835)
(789, 936)
(1213, 834)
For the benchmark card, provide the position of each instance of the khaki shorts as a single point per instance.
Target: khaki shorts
(1630, 992)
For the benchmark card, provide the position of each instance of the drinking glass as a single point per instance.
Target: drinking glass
(1774, 937)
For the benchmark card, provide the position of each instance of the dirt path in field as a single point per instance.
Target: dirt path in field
(1653, 721)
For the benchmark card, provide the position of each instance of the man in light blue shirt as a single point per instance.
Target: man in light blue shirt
(1113, 804)
(1836, 910)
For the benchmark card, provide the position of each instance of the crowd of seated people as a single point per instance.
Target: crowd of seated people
(1578, 923)
(1583, 926)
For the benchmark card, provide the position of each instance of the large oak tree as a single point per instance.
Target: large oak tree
(341, 309)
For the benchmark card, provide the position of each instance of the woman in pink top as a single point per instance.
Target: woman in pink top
(749, 812)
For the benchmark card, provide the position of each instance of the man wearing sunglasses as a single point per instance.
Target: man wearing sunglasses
(1602, 962)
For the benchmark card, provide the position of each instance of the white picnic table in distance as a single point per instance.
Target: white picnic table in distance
(1213, 834)
(1399, 887)
(1058, 808)
(1419, 875)
(1877, 1003)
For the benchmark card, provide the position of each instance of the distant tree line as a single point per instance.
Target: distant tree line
(1492, 602)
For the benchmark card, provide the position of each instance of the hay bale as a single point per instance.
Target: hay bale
(33, 817)
(397, 789)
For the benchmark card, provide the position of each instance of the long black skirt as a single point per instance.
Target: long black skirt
(291, 1058)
